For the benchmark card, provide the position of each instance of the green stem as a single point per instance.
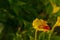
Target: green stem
(51, 31)
(36, 35)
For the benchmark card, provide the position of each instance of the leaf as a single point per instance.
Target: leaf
(1, 27)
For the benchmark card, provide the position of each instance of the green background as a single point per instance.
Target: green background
(16, 17)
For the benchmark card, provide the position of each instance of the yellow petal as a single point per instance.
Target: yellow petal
(36, 23)
(56, 9)
(44, 23)
(58, 21)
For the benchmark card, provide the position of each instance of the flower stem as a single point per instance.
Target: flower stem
(52, 31)
(36, 35)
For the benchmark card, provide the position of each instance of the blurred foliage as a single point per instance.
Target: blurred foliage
(16, 18)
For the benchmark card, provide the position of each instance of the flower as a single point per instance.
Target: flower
(55, 7)
(40, 25)
(58, 21)
(56, 24)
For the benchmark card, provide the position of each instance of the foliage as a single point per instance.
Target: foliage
(16, 17)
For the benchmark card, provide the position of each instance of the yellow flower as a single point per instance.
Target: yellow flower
(56, 24)
(58, 21)
(40, 25)
(55, 7)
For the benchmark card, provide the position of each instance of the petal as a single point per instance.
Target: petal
(58, 21)
(36, 23)
(47, 27)
(56, 9)
(43, 22)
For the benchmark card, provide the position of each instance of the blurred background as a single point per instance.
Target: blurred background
(16, 17)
